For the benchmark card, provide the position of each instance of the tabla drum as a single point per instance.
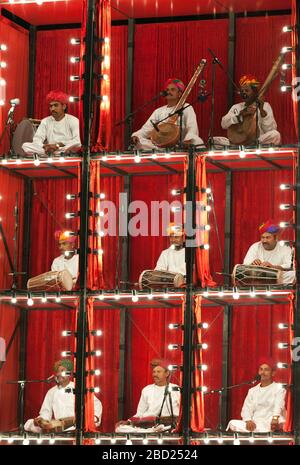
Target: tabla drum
(157, 279)
(51, 281)
(253, 275)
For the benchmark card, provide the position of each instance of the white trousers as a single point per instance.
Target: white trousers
(262, 426)
(270, 137)
(34, 148)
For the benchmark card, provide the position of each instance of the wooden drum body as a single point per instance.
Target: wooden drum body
(51, 281)
(253, 275)
(157, 279)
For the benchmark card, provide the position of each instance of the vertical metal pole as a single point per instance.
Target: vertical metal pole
(231, 56)
(84, 224)
(22, 365)
(228, 214)
(225, 363)
(128, 127)
(124, 319)
(31, 75)
(189, 304)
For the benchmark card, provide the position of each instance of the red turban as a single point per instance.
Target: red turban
(267, 361)
(57, 96)
(269, 226)
(64, 236)
(248, 79)
(178, 83)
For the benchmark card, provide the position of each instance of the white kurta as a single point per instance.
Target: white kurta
(61, 263)
(172, 260)
(51, 131)
(260, 405)
(281, 255)
(268, 133)
(152, 398)
(59, 403)
(189, 127)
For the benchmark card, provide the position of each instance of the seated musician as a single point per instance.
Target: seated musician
(173, 258)
(269, 253)
(264, 406)
(57, 133)
(158, 402)
(69, 259)
(190, 135)
(268, 134)
(57, 411)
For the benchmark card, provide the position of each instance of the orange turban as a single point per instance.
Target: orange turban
(64, 236)
(175, 230)
(248, 79)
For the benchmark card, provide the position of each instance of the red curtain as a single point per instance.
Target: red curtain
(202, 271)
(174, 50)
(53, 70)
(197, 417)
(16, 57)
(259, 42)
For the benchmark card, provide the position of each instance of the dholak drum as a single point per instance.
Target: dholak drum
(51, 281)
(253, 275)
(157, 279)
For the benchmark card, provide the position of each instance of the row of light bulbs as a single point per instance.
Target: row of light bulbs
(286, 66)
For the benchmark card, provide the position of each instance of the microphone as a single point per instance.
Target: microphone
(164, 93)
(202, 93)
(256, 378)
(216, 60)
(50, 378)
(154, 125)
(14, 101)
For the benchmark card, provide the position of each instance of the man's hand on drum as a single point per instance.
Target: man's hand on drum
(135, 140)
(50, 148)
(257, 262)
(267, 264)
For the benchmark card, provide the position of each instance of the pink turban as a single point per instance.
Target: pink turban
(57, 96)
(269, 226)
(63, 236)
(178, 83)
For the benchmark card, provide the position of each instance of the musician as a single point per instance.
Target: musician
(59, 402)
(269, 253)
(58, 132)
(69, 259)
(157, 399)
(173, 258)
(190, 135)
(268, 134)
(264, 406)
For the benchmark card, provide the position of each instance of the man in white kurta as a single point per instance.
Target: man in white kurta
(173, 258)
(157, 399)
(190, 134)
(68, 260)
(268, 133)
(56, 133)
(269, 253)
(264, 406)
(59, 402)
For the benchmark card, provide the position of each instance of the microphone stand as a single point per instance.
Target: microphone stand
(129, 118)
(224, 389)
(164, 400)
(21, 383)
(210, 141)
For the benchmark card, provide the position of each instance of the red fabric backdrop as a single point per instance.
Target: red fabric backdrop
(259, 42)
(16, 58)
(175, 49)
(9, 315)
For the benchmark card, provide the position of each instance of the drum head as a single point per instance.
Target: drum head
(65, 280)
